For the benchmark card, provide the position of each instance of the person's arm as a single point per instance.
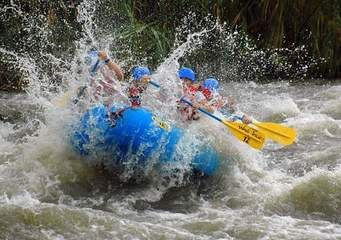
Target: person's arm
(231, 105)
(236, 115)
(200, 101)
(204, 105)
(207, 108)
(111, 65)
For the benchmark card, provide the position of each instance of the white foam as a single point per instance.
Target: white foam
(23, 200)
(308, 122)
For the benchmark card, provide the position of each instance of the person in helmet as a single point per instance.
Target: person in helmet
(141, 78)
(216, 102)
(108, 85)
(189, 89)
(191, 92)
(187, 77)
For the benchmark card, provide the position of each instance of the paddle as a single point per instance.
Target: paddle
(275, 131)
(242, 132)
(154, 84)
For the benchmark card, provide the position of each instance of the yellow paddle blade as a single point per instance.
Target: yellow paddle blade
(244, 133)
(277, 132)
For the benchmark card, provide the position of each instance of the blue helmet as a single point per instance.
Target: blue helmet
(186, 73)
(139, 72)
(211, 84)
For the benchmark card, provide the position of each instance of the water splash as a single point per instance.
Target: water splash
(255, 195)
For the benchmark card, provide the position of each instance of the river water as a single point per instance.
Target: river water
(280, 192)
(48, 192)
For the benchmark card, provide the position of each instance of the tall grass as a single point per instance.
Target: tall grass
(273, 23)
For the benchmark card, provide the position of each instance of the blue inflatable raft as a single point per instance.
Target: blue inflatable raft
(135, 136)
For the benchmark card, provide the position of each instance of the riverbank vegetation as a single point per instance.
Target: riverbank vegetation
(294, 31)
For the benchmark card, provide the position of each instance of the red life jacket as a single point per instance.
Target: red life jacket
(191, 90)
(215, 100)
(207, 93)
